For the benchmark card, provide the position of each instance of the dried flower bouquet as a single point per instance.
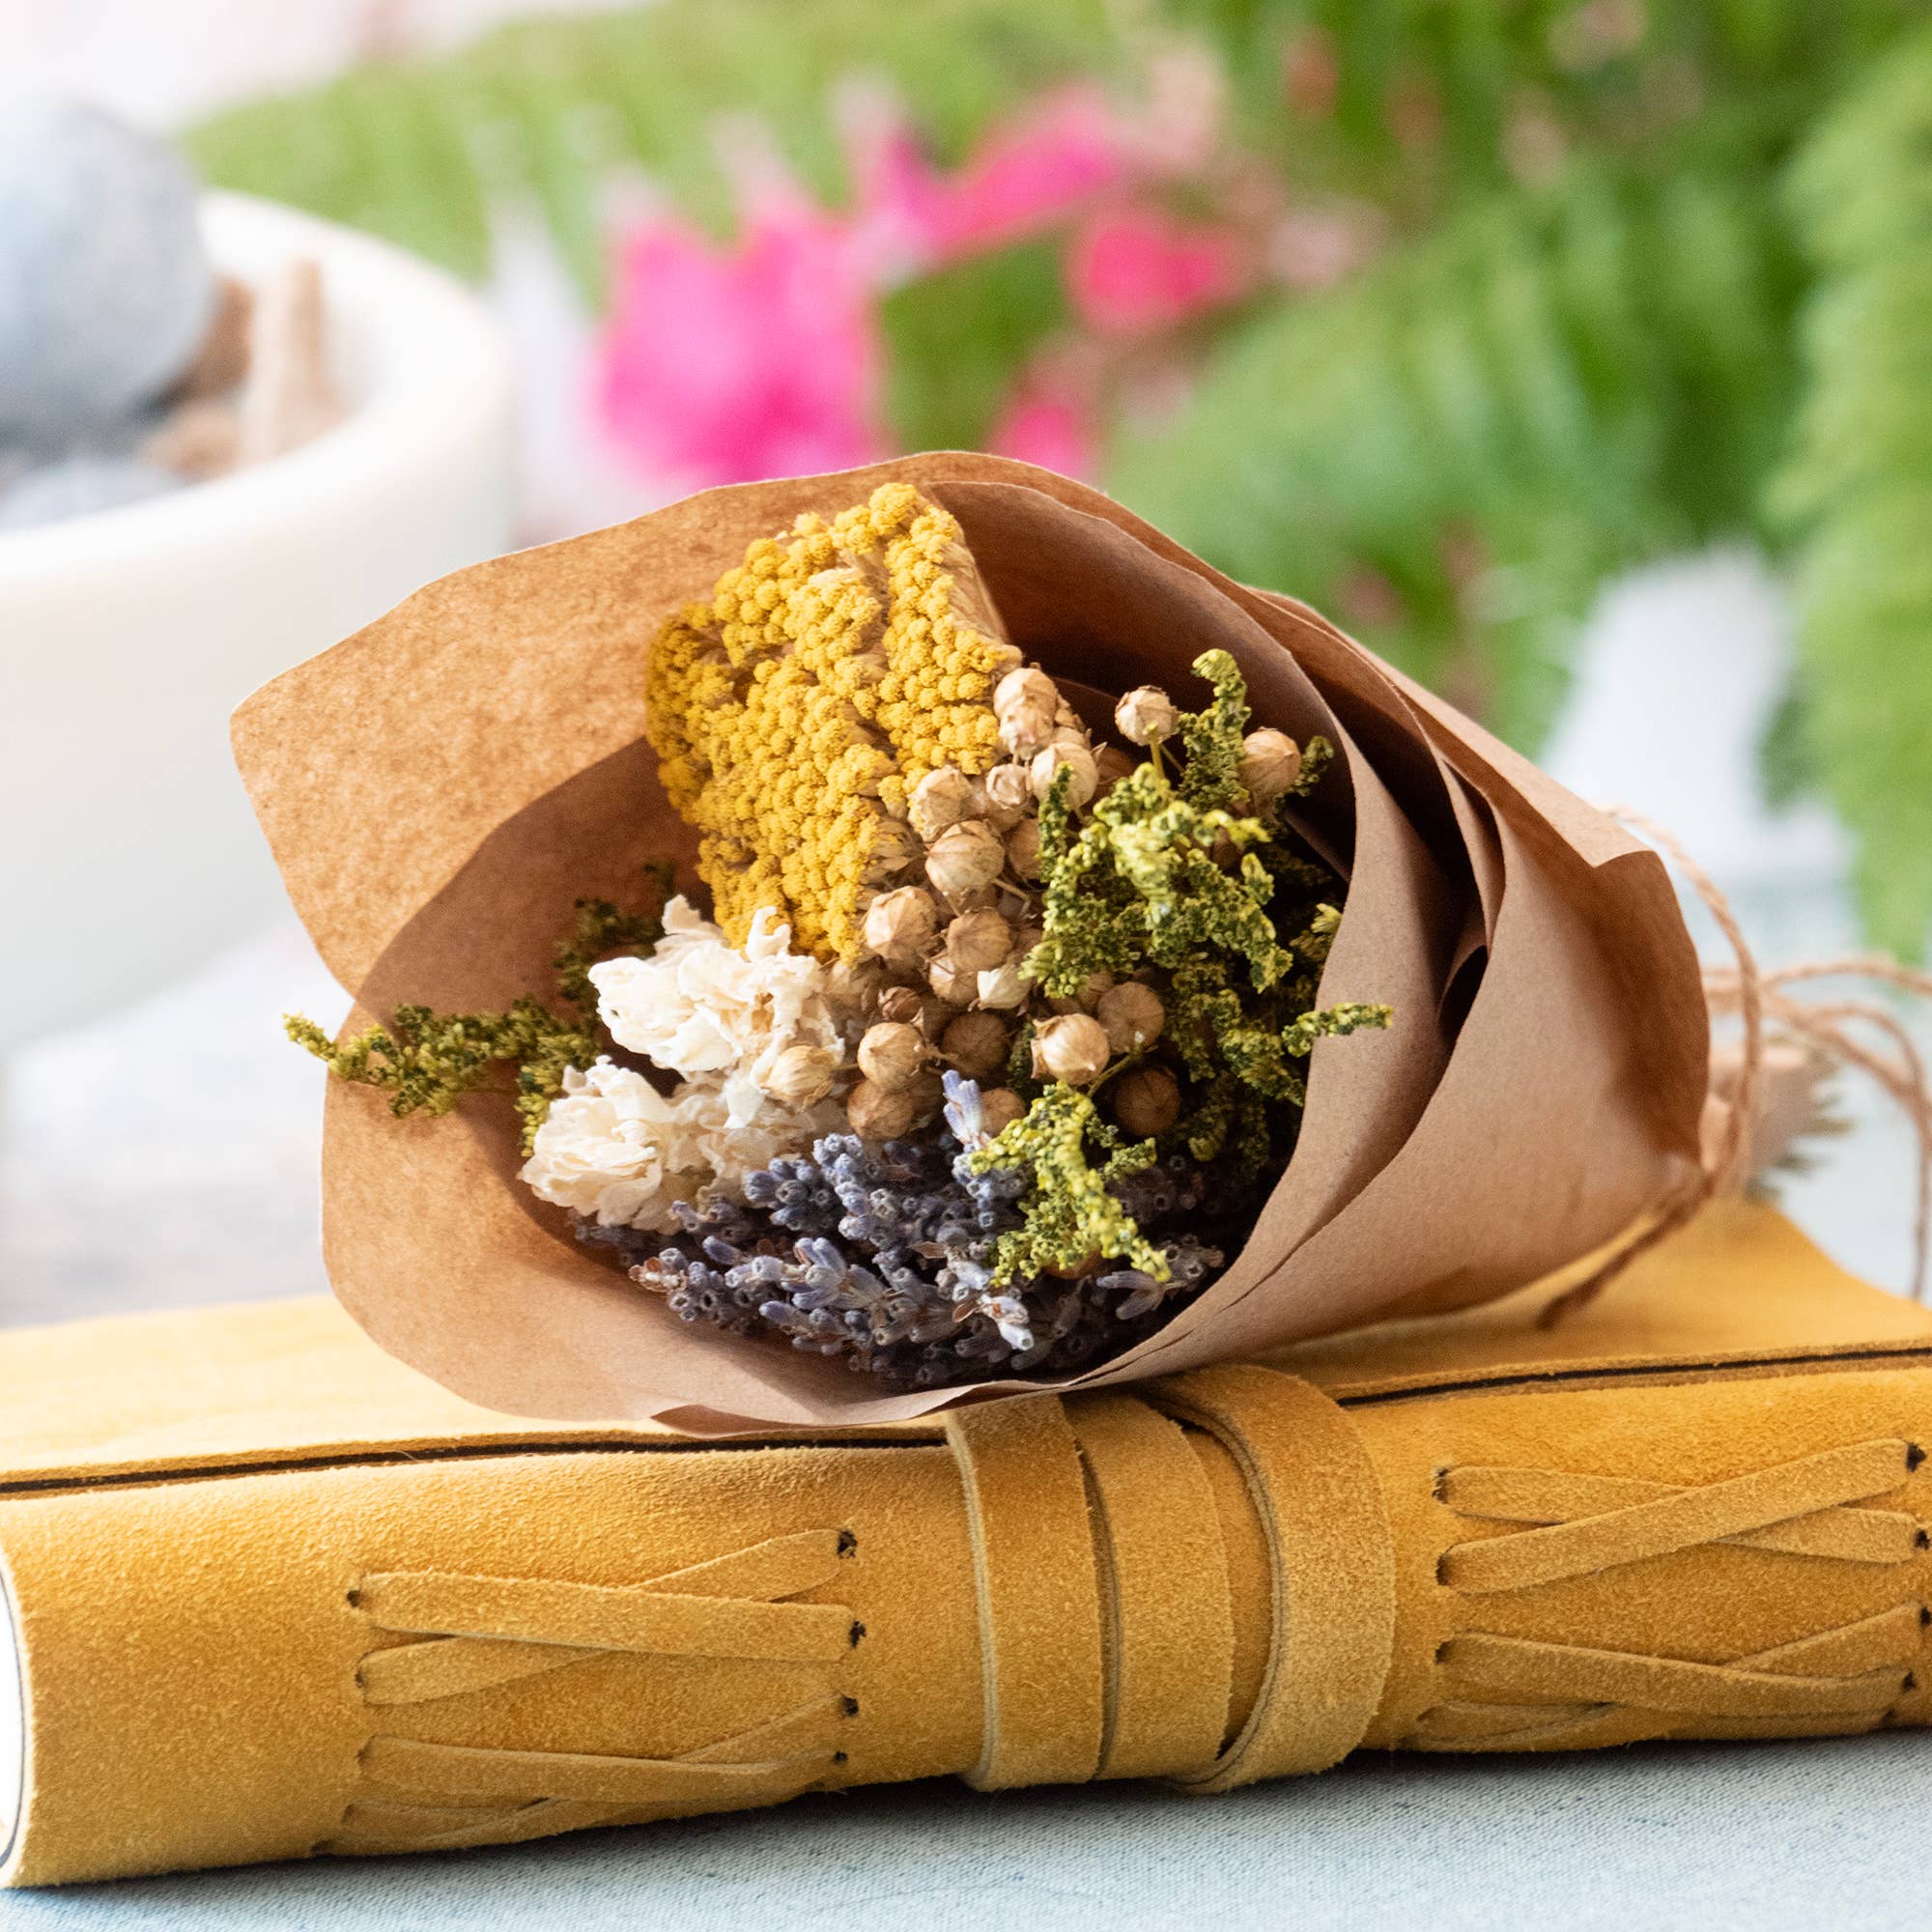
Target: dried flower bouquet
(986, 1003)
(1008, 1050)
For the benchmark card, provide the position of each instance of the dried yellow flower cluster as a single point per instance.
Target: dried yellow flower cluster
(793, 714)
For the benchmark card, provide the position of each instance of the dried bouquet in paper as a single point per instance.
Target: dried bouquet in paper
(968, 927)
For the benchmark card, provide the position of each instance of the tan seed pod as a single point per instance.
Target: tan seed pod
(1146, 1101)
(802, 1076)
(902, 1003)
(855, 988)
(975, 1044)
(1025, 939)
(941, 798)
(1270, 764)
(1131, 1014)
(1026, 684)
(892, 849)
(1008, 789)
(1077, 761)
(1025, 702)
(881, 1114)
(1071, 1047)
(901, 924)
(893, 1055)
(935, 1015)
(999, 1108)
(928, 1098)
(1147, 714)
(963, 858)
(952, 983)
(978, 940)
(1003, 987)
(1023, 848)
(1088, 995)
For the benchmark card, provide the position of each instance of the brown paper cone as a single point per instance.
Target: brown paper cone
(440, 787)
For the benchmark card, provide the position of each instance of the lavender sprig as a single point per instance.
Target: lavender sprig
(883, 1254)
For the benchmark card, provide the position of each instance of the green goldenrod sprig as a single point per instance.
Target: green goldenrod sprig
(1070, 1218)
(1211, 738)
(1179, 867)
(1140, 883)
(426, 1061)
(601, 929)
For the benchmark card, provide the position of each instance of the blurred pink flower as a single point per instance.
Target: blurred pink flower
(1137, 269)
(1039, 169)
(1053, 431)
(761, 360)
(763, 357)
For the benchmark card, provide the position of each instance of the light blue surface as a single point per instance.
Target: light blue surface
(1824, 1835)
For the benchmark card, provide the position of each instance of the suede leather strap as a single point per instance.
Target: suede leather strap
(1170, 1629)
(1316, 1490)
(1043, 1672)
(1672, 1517)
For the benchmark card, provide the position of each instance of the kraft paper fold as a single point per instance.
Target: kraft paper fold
(1695, 1511)
(440, 787)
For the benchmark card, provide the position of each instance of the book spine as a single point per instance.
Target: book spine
(1219, 1579)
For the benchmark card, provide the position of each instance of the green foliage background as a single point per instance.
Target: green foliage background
(1708, 315)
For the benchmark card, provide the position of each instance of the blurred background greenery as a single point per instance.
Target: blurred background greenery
(1436, 313)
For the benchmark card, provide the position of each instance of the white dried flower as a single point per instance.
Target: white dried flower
(699, 1006)
(1147, 714)
(617, 1151)
(1270, 764)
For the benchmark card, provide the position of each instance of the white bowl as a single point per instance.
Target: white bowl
(129, 851)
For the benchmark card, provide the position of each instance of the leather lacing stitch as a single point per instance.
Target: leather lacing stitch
(478, 1632)
(1512, 1692)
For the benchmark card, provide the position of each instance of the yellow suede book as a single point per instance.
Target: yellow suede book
(271, 1594)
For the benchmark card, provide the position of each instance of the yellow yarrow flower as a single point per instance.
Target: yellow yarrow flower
(793, 714)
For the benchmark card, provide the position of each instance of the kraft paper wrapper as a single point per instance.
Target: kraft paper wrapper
(440, 788)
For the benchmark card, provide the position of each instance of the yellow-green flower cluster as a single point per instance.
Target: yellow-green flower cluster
(794, 713)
